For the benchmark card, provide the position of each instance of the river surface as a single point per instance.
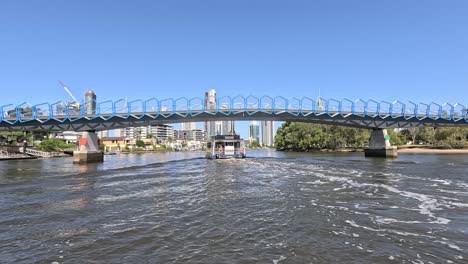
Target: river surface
(273, 207)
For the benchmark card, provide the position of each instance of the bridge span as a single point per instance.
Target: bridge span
(95, 116)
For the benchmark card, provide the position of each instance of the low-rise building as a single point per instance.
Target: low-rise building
(67, 136)
(117, 143)
(194, 134)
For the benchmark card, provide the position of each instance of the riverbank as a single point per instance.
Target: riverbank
(431, 151)
(16, 157)
(401, 150)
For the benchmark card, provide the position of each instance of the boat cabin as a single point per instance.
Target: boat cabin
(225, 146)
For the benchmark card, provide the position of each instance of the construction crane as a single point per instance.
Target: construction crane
(75, 104)
(68, 91)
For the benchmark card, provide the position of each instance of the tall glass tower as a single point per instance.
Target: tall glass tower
(254, 132)
(210, 104)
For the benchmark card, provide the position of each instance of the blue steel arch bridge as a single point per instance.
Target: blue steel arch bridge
(96, 116)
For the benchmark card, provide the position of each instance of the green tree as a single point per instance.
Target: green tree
(426, 135)
(450, 137)
(254, 144)
(410, 134)
(137, 132)
(307, 137)
(13, 137)
(396, 138)
(54, 145)
(140, 143)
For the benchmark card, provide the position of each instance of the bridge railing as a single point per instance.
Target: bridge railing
(164, 108)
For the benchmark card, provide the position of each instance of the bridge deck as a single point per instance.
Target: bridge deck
(362, 114)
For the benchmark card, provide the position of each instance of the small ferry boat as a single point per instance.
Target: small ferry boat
(225, 147)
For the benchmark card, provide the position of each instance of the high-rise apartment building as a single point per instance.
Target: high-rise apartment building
(224, 127)
(254, 131)
(117, 132)
(103, 134)
(213, 128)
(218, 128)
(161, 132)
(90, 102)
(228, 127)
(210, 105)
(188, 126)
(134, 132)
(195, 134)
(268, 133)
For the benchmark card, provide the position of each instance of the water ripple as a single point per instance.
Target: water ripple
(277, 208)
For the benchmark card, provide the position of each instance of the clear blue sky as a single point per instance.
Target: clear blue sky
(386, 50)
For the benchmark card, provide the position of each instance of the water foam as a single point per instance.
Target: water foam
(444, 241)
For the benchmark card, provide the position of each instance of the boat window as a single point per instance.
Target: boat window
(229, 143)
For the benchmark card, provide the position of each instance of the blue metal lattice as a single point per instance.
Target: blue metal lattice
(12, 115)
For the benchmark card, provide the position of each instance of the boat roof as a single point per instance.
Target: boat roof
(229, 140)
(226, 137)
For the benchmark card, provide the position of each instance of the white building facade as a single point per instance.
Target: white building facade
(268, 133)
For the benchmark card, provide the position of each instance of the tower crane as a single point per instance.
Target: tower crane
(75, 104)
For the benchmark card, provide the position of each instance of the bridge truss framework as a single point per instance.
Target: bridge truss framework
(119, 114)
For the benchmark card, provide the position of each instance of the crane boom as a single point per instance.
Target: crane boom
(68, 91)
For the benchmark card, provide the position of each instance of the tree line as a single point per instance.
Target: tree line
(33, 138)
(293, 136)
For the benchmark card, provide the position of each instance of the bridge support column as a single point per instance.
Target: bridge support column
(379, 145)
(89, 149)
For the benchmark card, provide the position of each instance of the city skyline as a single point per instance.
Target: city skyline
(254, 132)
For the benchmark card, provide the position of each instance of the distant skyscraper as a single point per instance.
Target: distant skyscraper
(268, 133)
(90, 102)
(118, 132)
(210, 105)
(254, 131)
(188, 126)
(228, 127)
(218, 127)
(103, 134)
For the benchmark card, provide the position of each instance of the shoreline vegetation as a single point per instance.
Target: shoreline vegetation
(401, 150)
(294, 137)
(307, 137)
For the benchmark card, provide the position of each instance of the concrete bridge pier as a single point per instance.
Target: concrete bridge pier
(88, 149)
(379, 145)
